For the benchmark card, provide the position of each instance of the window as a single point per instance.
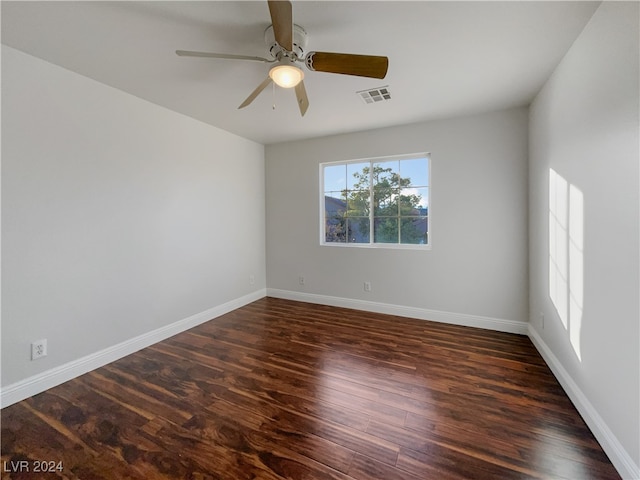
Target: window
(376, 202)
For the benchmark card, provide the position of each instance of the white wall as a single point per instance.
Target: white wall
(119, 217)
(584, 126)
(477, 266)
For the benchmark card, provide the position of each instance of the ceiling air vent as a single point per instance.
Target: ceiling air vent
(374, 95)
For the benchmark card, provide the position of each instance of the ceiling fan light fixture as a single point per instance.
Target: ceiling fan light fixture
(286, 76)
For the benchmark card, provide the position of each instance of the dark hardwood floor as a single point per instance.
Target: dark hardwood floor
(287, 390)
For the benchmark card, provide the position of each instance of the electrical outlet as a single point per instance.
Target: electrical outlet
(367, 286)
(38, 349)
(252, 280)
(301, 280)
(542, 319)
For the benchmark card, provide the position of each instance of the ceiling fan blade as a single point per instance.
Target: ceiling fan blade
(188, 53)
(301, 96)
(348, 64)
(265, 83)
(282, 20)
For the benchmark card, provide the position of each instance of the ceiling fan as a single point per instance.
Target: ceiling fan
(287, 43)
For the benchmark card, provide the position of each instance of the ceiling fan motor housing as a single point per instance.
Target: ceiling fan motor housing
(299, 44)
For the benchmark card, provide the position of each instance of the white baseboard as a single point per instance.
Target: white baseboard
(498, 324)
(620, 458)
(39, 383)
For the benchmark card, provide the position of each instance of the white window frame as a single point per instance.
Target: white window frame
(371, 244)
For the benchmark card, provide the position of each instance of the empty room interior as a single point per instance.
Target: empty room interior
(320, 240)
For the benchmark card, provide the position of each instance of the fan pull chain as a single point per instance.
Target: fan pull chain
(274, 96)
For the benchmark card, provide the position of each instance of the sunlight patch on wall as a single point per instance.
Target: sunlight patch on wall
(566, 255)
(576, 266)
(558, 233)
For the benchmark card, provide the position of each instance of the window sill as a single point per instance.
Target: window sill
(379, 246)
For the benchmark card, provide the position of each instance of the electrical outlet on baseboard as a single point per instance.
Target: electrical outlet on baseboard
(39, 349)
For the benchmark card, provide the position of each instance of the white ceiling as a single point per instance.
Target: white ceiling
(446, 58)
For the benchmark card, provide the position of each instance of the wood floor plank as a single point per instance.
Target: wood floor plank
(366, 468)
(437, 461)
(287, 390)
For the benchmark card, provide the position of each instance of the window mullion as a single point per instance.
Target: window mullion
(399, 220)
(371, 200)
